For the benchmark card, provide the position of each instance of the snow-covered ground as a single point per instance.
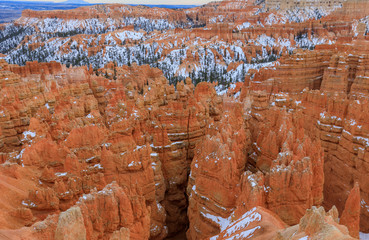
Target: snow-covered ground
(232, 227)
(213, 57)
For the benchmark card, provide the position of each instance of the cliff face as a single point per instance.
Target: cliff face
(215, 174)
(112, 11)
(159, 145)
(94, 131)
(333, 116)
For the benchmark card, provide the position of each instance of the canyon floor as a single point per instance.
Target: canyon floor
(238, 119)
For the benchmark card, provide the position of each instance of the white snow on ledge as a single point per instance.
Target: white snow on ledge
(233, 227)
(244, 25)
(59, 174)
(129, 35)
(29, 133)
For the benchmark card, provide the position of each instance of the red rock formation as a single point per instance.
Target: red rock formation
(351, 215)
(125, 215)
(334, 115)
(287, 157)
(258, 223)
(114, 11)
(93, 132)
(68, 133)
(215, 173)
(316, 224)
